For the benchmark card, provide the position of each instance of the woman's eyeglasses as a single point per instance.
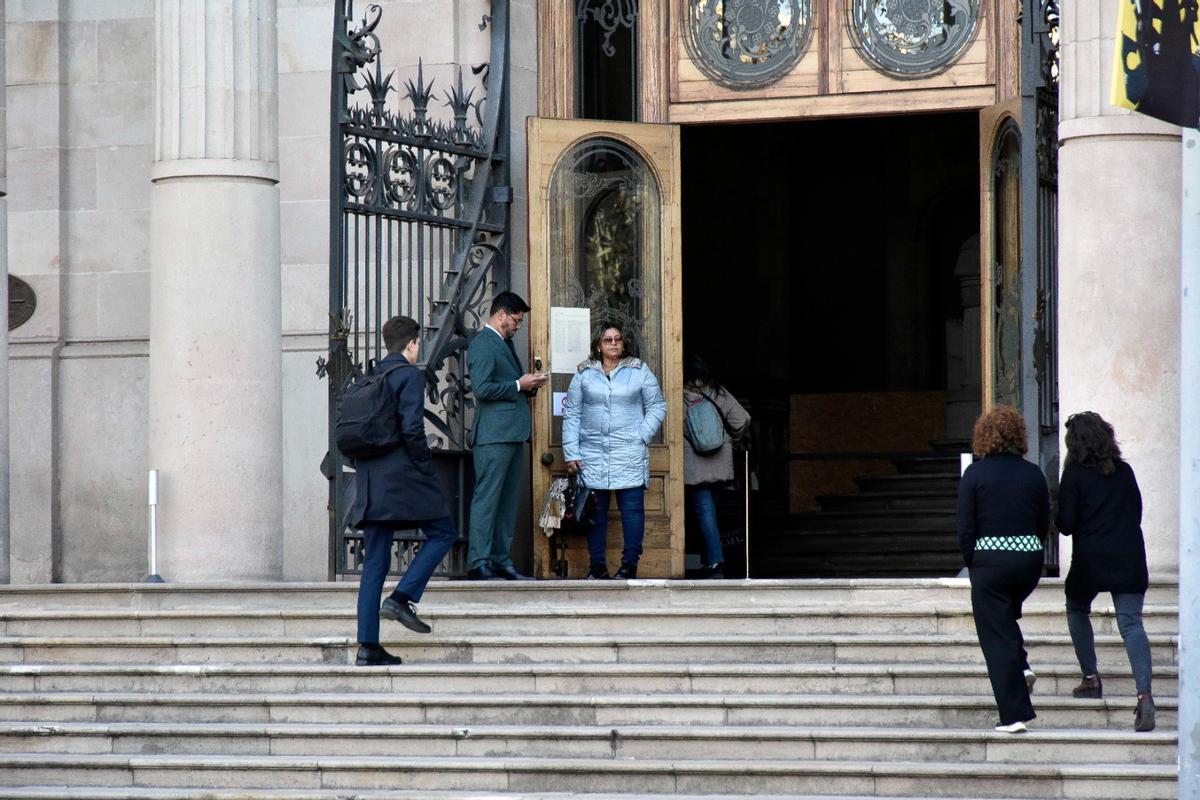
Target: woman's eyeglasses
(612, 340)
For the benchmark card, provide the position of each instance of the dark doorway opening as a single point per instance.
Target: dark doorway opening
(831, 281)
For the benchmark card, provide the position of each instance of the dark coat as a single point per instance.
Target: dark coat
(1103, 514)
(501, 410)
(400, 488)
(1001, 495)
(715, 467)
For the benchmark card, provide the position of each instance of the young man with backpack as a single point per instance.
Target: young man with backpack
(382, 427)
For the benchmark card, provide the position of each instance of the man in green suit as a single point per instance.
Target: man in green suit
(502, 425)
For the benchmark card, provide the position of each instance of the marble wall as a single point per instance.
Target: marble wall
(80, 95)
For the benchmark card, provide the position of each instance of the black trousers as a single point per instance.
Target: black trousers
(1000, 582)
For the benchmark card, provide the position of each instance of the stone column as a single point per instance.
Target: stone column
(1189, 476)
(215, 368)
(5, 558)
(1118, 267)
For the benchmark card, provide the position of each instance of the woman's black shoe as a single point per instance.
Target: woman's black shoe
(598, 572)
(626, 571)
(373, 655)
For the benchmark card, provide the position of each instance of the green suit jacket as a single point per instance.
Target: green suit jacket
(501, 410)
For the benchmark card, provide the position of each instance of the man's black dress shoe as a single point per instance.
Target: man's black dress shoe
(510, 573)
(402, 611)
(627, 570)
(373, 655)
(484, 573)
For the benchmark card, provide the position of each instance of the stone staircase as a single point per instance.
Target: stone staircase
(814, 689)
(898, 524)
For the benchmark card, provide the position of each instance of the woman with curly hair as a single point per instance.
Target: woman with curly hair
(1003, 517)
(1100, 507)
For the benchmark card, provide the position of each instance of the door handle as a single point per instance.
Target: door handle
(547, 458)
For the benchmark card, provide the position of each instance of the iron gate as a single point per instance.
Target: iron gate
(1039, 231)
(419, 210)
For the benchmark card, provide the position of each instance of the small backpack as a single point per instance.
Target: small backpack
(367, 424)
(704, 426)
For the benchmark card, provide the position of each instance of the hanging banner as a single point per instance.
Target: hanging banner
(1156, 68)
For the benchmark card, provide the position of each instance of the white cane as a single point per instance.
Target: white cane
(746, 476)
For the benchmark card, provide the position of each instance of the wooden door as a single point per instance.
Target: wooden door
(604, 244)
(1001, 281)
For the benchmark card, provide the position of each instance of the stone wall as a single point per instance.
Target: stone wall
(80, 144)
(1119, 244)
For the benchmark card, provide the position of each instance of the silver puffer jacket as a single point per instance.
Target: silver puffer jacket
(608, 420)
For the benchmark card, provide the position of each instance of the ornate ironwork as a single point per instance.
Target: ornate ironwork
(1039, 232)
(912, 38)
(419, 212)
(606, 59)
(22, 302)
(747, 44)
(610, 15)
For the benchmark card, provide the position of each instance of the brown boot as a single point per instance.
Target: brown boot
(1143, 718)
(1090, 687)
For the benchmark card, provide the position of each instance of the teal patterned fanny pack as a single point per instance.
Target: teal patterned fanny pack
(1027, 543)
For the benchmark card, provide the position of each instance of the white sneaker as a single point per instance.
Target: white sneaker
(1030, 680)
(1014, 727)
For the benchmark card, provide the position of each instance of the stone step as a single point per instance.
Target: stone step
(931, 464)
(902, 711)
(586, 776)
(893, 521)
(730, 594)
(595, 678)
(198, 793)
(767, 649)
(557, 621)
(908, 483)
(918, 500)
(1040, 746)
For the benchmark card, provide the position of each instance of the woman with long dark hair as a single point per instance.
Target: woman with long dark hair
(1100, 507)
(1003, 518)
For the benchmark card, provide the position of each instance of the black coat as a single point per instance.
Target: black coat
(1103, 513)
(400, 488)
(1001, 495)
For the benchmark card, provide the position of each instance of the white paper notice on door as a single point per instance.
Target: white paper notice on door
(570, 333)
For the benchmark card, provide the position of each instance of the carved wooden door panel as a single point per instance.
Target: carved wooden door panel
(604, 245)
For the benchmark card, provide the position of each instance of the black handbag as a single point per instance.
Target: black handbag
(580, 505)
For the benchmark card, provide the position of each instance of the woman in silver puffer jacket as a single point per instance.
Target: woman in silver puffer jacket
(613, 410)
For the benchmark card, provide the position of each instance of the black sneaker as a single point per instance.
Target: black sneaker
(598, 572)
(627, 571)
(1143, 718)
(714, 572)
(1090, 687)
(402, 611)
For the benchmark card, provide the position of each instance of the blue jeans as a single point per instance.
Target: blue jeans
(377, 545)
(1129, 622)
(704, 506)
(633, 523)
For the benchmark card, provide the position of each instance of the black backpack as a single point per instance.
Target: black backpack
(367, 424)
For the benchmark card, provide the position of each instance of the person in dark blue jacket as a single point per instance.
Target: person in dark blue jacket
(399, 491)
(1100, 508)
(1003, 518)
